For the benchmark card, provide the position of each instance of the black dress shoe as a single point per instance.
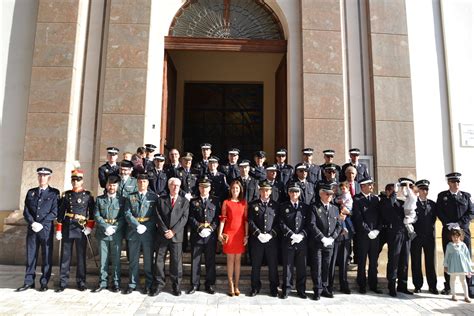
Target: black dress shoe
(346, 290)
(362, 290)
(392, 292)
(376, 290)
(274, 293)
(316, 297)
(25, 287)
(155, 292)
(253, 292)
(210, 289)
(284, 295)
(98, 289)
(147, 291)
(326, 293)
(417, 290)
(446, 291)
(114, 289)
(434, 291)
(405, 291)
(43, 288)
(302, 295)
(192, 290)
(81, 287)
(60, 289)
(128, 290)
(176, 292)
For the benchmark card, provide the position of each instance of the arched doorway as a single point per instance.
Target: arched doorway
(232, 101)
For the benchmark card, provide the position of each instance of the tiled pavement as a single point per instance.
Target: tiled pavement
(73, 302)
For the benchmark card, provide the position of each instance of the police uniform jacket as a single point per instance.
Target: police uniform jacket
(278, 191)
(263, 219)
(203, 215)
(307, 195)
(323, 223)
(172, 170)
(158, 181)
(109, 212)
(426, 218)
(285, 173)
(75, 210)
(321, 175)
(126, 187)
(188, 181)
(201, 168)
(366, 214)
(250, 186)
(141, 210)
(174, 218)
(258, 173)
(147, 164)
(43, 210)
(321, 182)
(231, 172)
(219, 187)
(105, 171)
(294, 221)
(313, 173)
(392, 214)
(454, 209)
(362, 171)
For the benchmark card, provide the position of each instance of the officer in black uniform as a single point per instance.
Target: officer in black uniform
(367, 223)
(219, 187)
(324, 228)
(328, 156)
(41, 209)
(307, 188)
(425, 239)
(75, 223)
(454, 209)
(203, 220)
(294, 216)
(157, 176)
(249, 184)
(174, 164)
(257, 170)
(285, 171)
(392, 215)
(362, 171)
(278, 189)
(264, 225)
(313, 169)
(231, 168)
(110, 167)
(202, 166)
(148, 160)
(329, 172)
(128, 184)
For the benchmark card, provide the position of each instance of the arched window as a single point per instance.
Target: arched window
(229, 19)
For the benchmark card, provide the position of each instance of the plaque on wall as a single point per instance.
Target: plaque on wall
(467, 134)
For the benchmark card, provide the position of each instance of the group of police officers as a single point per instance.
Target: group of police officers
(293, 219)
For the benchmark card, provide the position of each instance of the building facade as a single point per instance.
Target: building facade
(390, 77)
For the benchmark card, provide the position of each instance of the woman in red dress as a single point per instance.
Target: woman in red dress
(233, 233)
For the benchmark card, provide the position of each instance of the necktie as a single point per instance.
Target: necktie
(265, 204)
(204, 200)
(295, 205)
(40, 193)
(173, 200)
(326, 207)
(351, 188)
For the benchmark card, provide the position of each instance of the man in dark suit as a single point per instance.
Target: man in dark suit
(219, 187)
(249, 184)
(231, 168)
(257, 170)
(41, 209)
(202, 166)
(174, 163)
(307, 188)
(454, 209)
(294, 216)
(148, 159)
(285, 171)
(324, 228)
(312, 168)
(278, 189)
(110, 167)
(424, 240)
(157, 176)
(362, 170)
(367, 223)
(328, 156)
(264, 225)
(173, 213)
(203, 221)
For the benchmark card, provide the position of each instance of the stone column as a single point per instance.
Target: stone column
(123, 109)
(323, 94)
(391, 90)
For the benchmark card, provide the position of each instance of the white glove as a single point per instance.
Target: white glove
(376, 232)
(296, 238)
(264, 238)
(452, 226)
(59, 235)
(268, 236)
(325, 241)
(330, 241)
(205, 232)
(87, 231)
(141, 229)
(36, 227)
(371, 235)
(109, 231)
(188, 196)
(410, 228)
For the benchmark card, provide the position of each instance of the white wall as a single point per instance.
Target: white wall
(18, 27)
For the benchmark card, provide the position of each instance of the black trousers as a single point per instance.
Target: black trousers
(209, 250)
(427, 244)
(294, 256)
(367, 248)
(66, 256)
(320, 258)
(467, 241)
(176, 263)
(340, 256)
(269, 252)
(34, 241)
(398, 256)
